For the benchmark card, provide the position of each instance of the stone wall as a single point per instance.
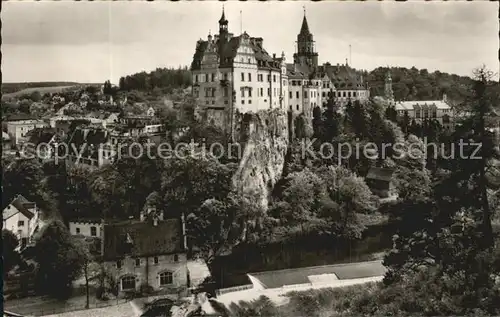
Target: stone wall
(148, 272)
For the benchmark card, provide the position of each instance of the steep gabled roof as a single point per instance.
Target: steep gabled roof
(146, 239)
(41, 135)
(297, 71)
(378, 173)
(227, 51)
(198, 54)
(342, 76)
(21, 205)
(89, 136)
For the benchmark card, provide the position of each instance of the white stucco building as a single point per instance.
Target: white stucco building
(19, 128)
(419, 111)
(86, 227)
(22, 218)
(236, 74)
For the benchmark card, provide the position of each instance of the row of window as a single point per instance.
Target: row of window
(210, 92)
(313, 105)
(260, 92)
(93, 231)
(426, 114)
(212, 77)
(137, 261)
(164, 278)
(313, 94)
(260, 78)
(208, 77)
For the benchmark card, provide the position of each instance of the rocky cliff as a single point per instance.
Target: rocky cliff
(264, 140)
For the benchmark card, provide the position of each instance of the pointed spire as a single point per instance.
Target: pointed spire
(305, 27)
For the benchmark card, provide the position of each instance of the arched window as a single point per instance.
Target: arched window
(166, 278)
(128, 283)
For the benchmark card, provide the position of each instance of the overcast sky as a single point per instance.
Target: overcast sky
(95, 41)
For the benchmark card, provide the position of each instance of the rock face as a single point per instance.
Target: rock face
(264, 140)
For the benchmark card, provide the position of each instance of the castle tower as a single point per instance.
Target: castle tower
(223, 22)
(305, 55)
(223, 30)
(389, 93)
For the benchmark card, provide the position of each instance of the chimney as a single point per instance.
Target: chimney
(274, 56)
(445, 98)
(259, 41)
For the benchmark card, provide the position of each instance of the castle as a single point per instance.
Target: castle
(236, 74)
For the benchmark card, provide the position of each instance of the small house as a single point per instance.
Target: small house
(380, 181)
(147, 252)
(85, 227)
(21, 217)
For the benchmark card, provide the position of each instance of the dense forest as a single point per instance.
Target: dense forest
(415, 84)
(160, 78)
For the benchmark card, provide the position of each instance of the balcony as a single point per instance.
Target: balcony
(224, 82)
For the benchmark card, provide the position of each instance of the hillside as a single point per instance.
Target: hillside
(10, 90)
(419, 84)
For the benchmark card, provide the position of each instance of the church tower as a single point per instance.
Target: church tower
(305, 55)
(389, 93)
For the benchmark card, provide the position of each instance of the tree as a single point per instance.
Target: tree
(391, 114)
(25, 177)
(90, 268)
(10, 256)
(213, 227)
(300, 200)
(35, 96)
(357, 119)
(317, 123)
(24, 106)
(190, 178)
(59, 259)
(347, 195)
(332, 120)
(450, 231)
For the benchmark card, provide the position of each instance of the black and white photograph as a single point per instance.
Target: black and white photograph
(250, 158)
